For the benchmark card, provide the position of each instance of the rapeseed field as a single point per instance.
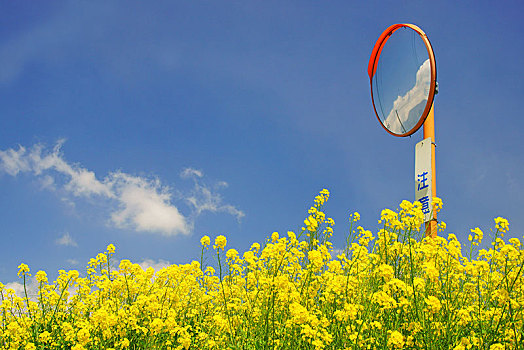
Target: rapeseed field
(393, 289)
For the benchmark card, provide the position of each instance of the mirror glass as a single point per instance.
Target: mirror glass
(401, 84)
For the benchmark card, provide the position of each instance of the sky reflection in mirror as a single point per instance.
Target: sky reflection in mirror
(401, 83)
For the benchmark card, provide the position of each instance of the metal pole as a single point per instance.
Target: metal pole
(429, 131)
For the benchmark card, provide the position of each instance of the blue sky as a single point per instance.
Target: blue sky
(148, 125)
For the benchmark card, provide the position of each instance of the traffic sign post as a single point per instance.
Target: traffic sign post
(403, 78)
(429, 134)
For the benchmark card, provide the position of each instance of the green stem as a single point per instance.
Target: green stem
(224, 296)
(59, 300)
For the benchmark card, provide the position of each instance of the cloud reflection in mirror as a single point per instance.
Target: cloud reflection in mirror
(408, 108)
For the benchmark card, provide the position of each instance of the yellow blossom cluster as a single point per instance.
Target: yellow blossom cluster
(477, 239)
(390, 290)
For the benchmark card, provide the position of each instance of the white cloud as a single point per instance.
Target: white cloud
(73, 262)
(203, 199)
(190, 172)
(47, 182)
(32, 288)
(145, 206)
(155, 264)
(31, 285)
(403, 105)
(82, 181)
(139, 203)
(66, 240)
(14, 162)
(222, 184)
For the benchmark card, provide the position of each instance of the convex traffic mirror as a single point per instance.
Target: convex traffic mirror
(403, 76)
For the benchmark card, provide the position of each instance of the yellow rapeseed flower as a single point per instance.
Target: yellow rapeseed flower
(437, 204)
(83, 336)
(433, 304)
(385, 271)
(501, 224)
(73, 275)
(311, 223)
(23, 270)
(45, 336)
(396, 340)
(232, 254)
(125, 343)
(205, 241)
(111, 249)
(220, 242)
(515, 242)
(479, 235)
(315, 257)
(41, 276)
